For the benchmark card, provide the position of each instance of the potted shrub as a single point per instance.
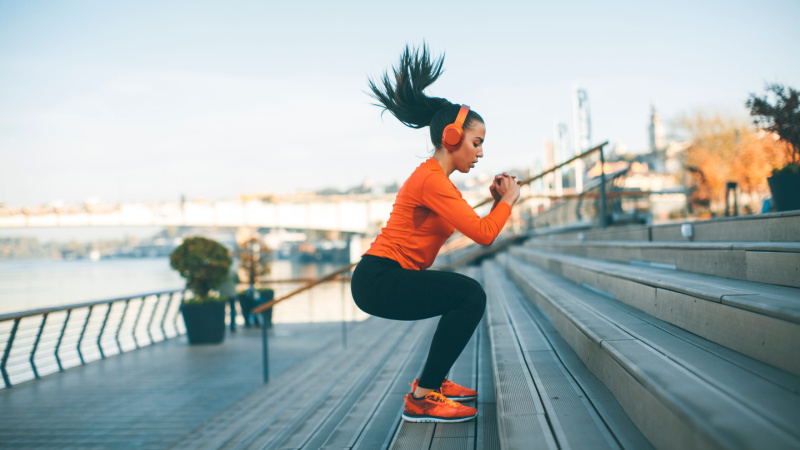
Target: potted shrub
(783, 119)
(205, 264)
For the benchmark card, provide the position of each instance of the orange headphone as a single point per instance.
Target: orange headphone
(453, 133)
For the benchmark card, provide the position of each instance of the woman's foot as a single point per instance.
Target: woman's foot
(451, 390)
(435, 407)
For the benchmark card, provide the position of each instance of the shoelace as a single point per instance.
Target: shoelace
(437, 397)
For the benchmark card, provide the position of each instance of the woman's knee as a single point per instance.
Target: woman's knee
(477, 299)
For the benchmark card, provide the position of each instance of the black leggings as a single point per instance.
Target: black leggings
(381, 287)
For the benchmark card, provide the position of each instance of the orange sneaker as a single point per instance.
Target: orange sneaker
(435, 407)
(451, 390)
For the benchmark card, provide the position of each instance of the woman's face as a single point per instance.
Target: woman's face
(471, 148)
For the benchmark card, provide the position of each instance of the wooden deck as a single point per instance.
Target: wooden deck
(152, 397)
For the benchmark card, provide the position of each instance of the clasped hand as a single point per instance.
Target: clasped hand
(505, 187)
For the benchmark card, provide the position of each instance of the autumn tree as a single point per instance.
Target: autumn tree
(781, 118)
(254, 259)
(725, 150)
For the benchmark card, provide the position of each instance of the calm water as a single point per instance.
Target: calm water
(34, 284)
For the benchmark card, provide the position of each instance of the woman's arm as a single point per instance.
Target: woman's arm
(439, 194)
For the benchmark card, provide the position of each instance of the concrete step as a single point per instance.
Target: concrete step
(763, 262)
(680, 390)
(773, 227)
(545, 396)
(759, 320)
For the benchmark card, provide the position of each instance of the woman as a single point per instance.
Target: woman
(391, 280)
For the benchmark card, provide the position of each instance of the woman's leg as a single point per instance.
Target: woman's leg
(384, 289)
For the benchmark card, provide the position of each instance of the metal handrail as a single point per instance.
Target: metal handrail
(47, 340)
(328, 277)
(552, 169)
(590, 194)
(36, 312)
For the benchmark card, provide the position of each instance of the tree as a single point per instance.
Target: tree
(725, 149)
(781, 118)
(254, 257)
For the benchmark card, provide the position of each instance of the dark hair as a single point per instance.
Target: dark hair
(406, 101)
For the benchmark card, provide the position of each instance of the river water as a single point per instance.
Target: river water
(42, 283)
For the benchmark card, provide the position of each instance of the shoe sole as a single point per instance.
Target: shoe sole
(461, 399)
(409, 418)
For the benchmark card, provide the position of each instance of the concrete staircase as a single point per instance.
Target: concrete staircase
(697, 340)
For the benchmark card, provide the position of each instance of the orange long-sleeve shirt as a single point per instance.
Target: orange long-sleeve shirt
(426, 211)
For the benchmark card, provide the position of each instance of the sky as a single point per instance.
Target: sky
(151, 100)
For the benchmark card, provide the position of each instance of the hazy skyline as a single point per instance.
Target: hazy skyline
(149, 100)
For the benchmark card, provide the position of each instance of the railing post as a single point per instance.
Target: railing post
(603, 219)
(152, 316)
(36, 345)
(121, 323)
(178, 312)
(7, 352)
(102, 329)
(264, 345)
(83, 331)
(136, 323)
(344, 323)
(164, 319)
(232, 313)
(311, 305)
(60, 338)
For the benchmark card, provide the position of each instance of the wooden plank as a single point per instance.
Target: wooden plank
(345, 427)
(270, 401)
(382, 427)
(308, 408)
(413, 436)
(573, 419)
(154, 396)
(462, 372)
(486, 433)
(521, 416)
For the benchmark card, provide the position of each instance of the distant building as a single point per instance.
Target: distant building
(550, 161)
(656, 130)
(658, 145)
(581, 122)
(582, 130)
(562, 152)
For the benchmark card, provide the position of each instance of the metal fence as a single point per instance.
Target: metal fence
(40, 342)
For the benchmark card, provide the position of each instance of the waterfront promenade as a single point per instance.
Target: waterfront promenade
(154, 396)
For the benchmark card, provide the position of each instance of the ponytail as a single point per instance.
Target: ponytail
(406, 101)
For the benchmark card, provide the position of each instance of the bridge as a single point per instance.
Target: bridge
(359, 214)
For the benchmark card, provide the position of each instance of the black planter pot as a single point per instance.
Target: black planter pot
(785, 190)
(205, 322)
